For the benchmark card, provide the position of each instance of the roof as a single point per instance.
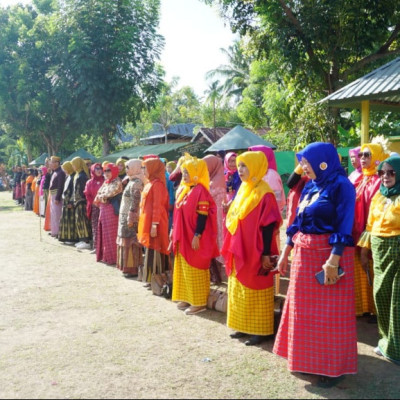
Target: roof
(177, 130)
(210, 134)
(381, 87)
(39, 161)
(168, 151)
(82, 153)
(239, 138)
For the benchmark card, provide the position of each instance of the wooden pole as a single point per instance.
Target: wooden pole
(364, 122)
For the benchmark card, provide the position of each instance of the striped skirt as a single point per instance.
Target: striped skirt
(129, 255)
(317, 333)
(190, 285)
(250, 311)
(82, 226)
(94, 221)
(107, 229)
(55, 215)
(67, 231)
(385, 252)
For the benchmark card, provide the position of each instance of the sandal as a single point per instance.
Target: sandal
(329, 382)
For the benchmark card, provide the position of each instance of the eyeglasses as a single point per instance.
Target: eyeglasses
(365, 154)
(107, 170)
(98, 169)
(389, 172)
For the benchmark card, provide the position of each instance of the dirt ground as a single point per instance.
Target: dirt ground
(74, 328)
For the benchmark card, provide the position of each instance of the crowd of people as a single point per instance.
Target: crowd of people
(204, 219)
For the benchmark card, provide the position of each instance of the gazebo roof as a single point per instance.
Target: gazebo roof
(381, 87)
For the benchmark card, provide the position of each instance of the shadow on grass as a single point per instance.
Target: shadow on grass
(10, 208)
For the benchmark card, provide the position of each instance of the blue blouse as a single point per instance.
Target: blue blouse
(326, 209)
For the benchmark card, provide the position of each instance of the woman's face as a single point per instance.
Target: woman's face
(365, 157)
(185, 175)
(107, 173)
(129, 171)
(388, 175)
(243, 171)
(145, 172)
(354, 161)
(98, 171)
(169, 169)
(120, 166)
(232, 163)
(307, 168)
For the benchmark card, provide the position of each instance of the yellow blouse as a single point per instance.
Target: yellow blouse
(383, 218)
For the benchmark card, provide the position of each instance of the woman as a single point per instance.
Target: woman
(355, 162)
(317, 333)
(129, 251)
(28, 187)
(122, 171)
(42, 195)
(272, 177)
(231, 177)
(218, 192)
(107, 229)
(382, 236)
(370, 156)
(82, 225)
(36, 190)
(67, 234)
(194, 237)
(153, 219)
(253, 223)
(92, 187)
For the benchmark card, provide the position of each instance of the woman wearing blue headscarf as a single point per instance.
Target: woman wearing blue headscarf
(317, 333)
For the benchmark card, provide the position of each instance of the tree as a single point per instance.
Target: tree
(213, 97)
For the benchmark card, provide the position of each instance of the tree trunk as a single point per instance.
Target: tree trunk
(106, 143)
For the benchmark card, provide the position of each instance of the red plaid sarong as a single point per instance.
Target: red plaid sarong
(317, 333)
(106, 238)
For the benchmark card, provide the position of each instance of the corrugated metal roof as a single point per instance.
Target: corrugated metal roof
(381, 87)
(180, 130)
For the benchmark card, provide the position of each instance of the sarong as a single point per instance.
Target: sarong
(106, 246)
(55, 215)
(363, 291)
(129, 255)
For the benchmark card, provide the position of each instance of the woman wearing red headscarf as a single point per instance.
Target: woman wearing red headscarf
(106, 246)
(153, 220)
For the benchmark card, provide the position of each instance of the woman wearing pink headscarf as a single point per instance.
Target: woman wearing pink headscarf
(355, 162)
(42, 200)
(272, 177)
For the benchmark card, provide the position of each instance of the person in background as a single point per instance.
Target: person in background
(171, 194)
(129, 250)
(272, 176)
(252, 224)
(92, 187)
(88, 163)
(176, 175)
(382, 236)
(194, 237)
(23, 182)
(221, 155)
(122, 171)
(36, 190)
(82, 224)
(231, 177)
(317, 333)
(107, 229)
(42, 195)
(153, 219)
(17, 183)
(67, 233)
(355, 162)
(28, 191)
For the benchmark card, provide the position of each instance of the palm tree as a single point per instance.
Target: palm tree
(213, 96)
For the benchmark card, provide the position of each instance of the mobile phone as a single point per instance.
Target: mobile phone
(320, 276)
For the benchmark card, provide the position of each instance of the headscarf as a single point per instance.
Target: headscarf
(324, 160)
(79, 166)
(251, 191)
(216, 172)
(377, 156)
(135, 165)
(228, 171)
(198, 173)
(394, 162)
(354, 153)
(269, 153)
(67, 167)
(114, 172)
(121, 161)
(171, 164)
(104, 164)
(93, 173)
(156, 169)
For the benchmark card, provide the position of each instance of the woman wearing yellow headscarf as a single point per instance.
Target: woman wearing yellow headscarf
(366, 185)
(253, 223)
(194, 237)
(82, 224)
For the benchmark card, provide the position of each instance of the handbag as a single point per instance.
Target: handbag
(217, 300)
(161, 282)
(116, 203)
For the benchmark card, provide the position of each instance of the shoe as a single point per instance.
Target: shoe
(78, 244)
(183, 306)
(255, 340)
(147, 285)
(84, 246)
(93, 251)
(68, 243)
(328, 382)
(237, 335)
(195, 310)
(377, 351)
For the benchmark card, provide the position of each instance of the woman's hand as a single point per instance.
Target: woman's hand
(364, 258)
(331, 269)
(196, 243)
(153, 231)
(266, 263)
(283, 261)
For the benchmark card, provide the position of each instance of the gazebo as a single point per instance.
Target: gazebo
(379, 90)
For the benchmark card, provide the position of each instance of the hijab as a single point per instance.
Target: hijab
(377, 156)
(354, 153)
(251, 191)
(394, 162)
(324, 160)
(156, 169)
(135, 165)
(123, 162)
(216, 172)
(93, 172)
(269, 153)
(114, 172)
(68, 168)
(229, 172)
(79, 166)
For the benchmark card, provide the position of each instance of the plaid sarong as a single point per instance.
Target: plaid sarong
(106, 246)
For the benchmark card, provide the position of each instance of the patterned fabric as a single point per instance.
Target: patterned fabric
(129, 255)
(106, 247)
(47, 220)
(385, 252)
(190, 285)
(94, 220)
(67, 224)
(55, 215)
(154, 261)
(219, 197)
(317, 333)
(82, 226)
(250, 311)
(362, 289)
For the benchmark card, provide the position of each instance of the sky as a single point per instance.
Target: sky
(194, 35)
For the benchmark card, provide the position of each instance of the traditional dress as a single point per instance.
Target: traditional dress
(154, 211)
(17, 183)
(317, 333)
(254, 210)
(106, 247)
(355, 175)
(36, 189)
(42, 201)
(129, 250)
(56, 189)
(67, 232)
(195, 213)
(92, 211)
(29, 192)
(382, 236)
(232, 179)
(366, 186)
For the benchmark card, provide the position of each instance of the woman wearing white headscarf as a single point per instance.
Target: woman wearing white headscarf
(129, 251)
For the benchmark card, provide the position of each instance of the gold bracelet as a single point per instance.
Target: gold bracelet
(329, 265)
